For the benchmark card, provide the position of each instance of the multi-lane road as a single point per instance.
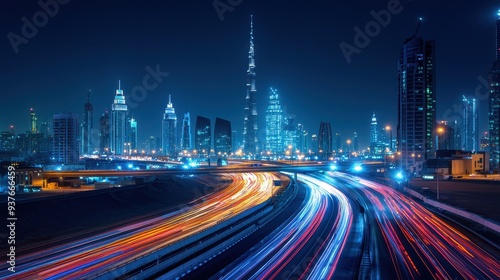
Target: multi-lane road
(421, 245)
(336, 226)
(347, 228)
(91, 256)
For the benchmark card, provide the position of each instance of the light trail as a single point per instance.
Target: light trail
(85, 258)
(271, 258)
(420, 243)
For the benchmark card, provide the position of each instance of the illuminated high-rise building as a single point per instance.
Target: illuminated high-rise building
(87, 125)
(337, 143)
(7, 141)
(290, 136)
(494, 105)
(416, 101)
(470, 125)
(274, 124)
(118, 125)
(222, 137)
(33, 118)
(132, 144)
(203, 136)
(250, 140)
(374, 131)
(169, 130)
(302, 137)
(104, 139)
(355, 143)
(325, 140)
(186, 133)
(65, 148)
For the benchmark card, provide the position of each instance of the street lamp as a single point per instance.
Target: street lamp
(348, 148)
(390, 143)
(440, 130)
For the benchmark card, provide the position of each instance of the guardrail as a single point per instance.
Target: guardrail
(135, 263)
(456, 211)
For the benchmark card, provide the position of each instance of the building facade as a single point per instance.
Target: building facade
(118, 124)
(470, 125)
(325, 140)
(186, 142)
(222, 137)
(203, 136)
(274, 124)
(416, 101)
(132, 144)
(104, 139)
(494, 105)
(250, 128)
(87, 125)
(65, 148)
(374, 133)
(169, 130)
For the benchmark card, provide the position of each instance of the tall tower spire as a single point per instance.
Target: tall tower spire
(250, 124)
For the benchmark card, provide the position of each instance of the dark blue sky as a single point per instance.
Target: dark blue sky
(90, 45)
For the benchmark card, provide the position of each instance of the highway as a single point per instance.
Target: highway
(88, 257)
(420, 244)
(308, 244)
(345, 227)
(338, 227)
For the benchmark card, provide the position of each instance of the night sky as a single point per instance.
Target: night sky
(91, 45)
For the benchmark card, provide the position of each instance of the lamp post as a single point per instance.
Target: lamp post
(390, 143)
(348, 142)
(439, 131)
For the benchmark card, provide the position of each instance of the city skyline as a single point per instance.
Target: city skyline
(223, 88)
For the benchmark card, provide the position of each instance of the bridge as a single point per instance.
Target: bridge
(197, 170)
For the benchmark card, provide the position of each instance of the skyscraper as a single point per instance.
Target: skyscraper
(290, 136)
(87, 126)
(470, 125)
(65, 147)
(186, 133)
(494, 105)
(169, 130)
(132, 138)
(118, 123)
(355, 142)
(104, 140)
(325, 140)
(33, 129)
(416, 101)
(222, 137)
(338, 143)
(250, 140)
(274, 124)
(7, 141)
(374, 130)
(203, 135)
(302, 143)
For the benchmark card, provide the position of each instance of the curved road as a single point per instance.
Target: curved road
(420, 244)
(92, 256)
(309, 244)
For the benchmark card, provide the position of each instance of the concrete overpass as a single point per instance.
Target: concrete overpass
(197, 170)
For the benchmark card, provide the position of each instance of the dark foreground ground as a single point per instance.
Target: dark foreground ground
(46, 220)
(477, 196)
